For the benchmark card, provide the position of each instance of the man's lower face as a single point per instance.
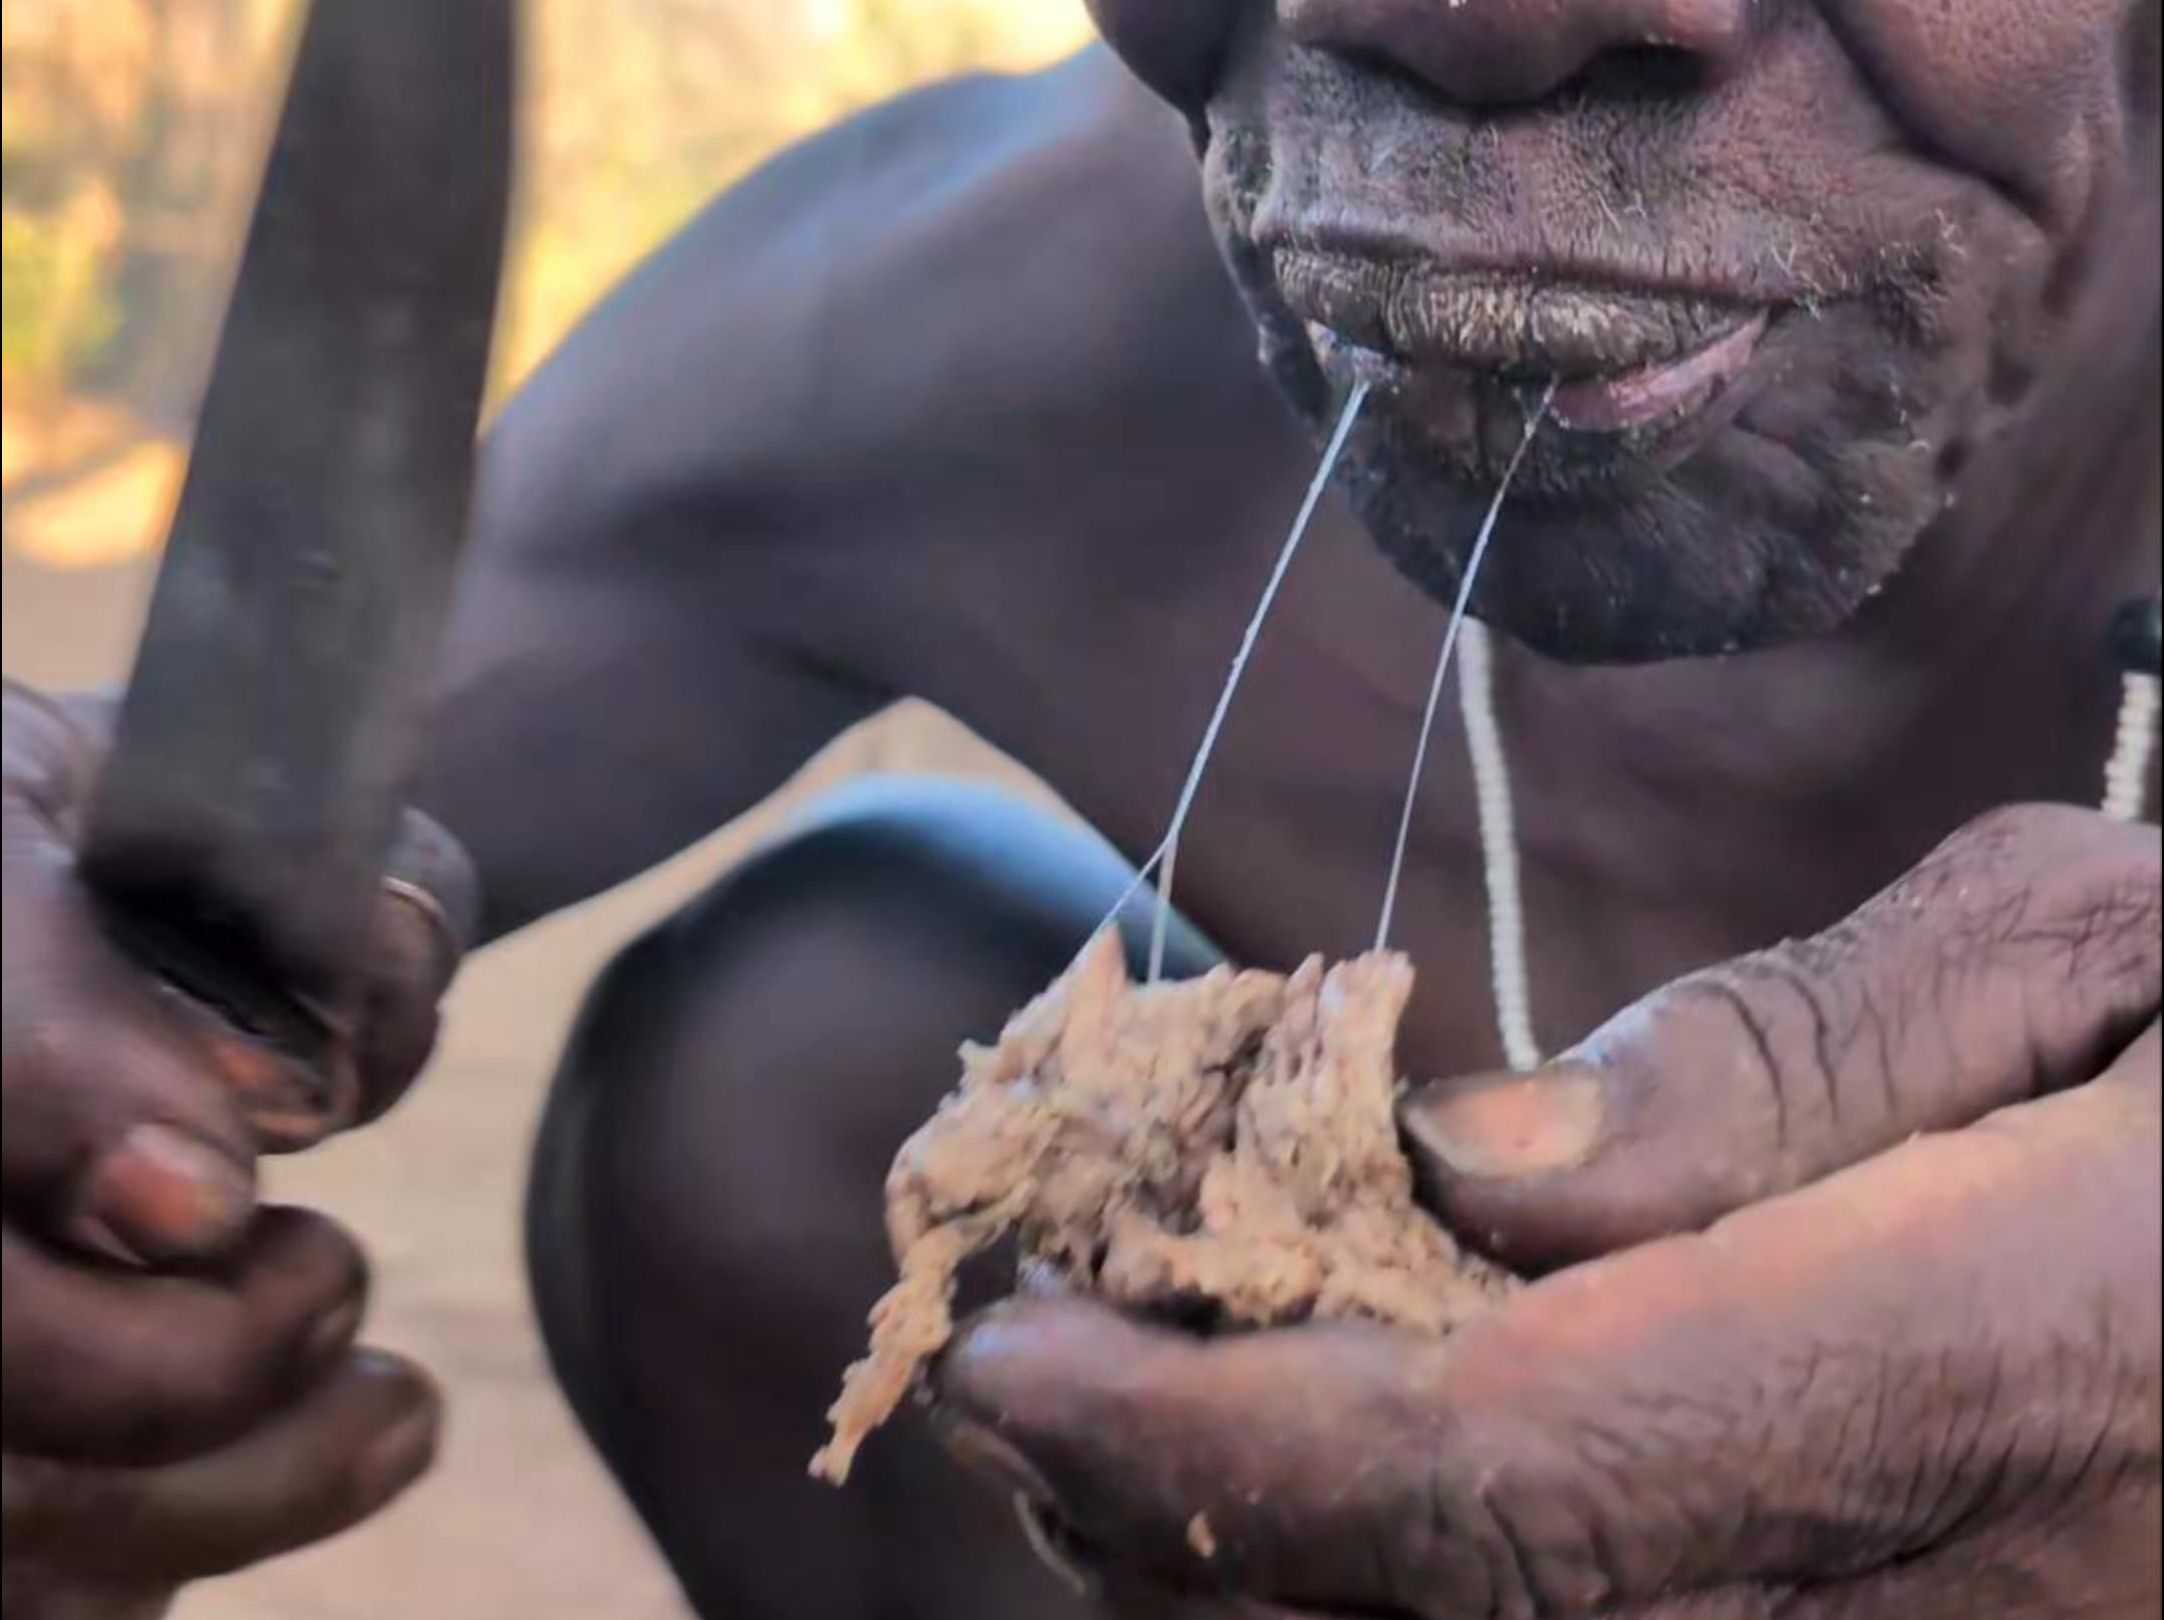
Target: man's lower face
(1787, 264)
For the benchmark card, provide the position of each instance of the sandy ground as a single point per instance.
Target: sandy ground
(518, 1522)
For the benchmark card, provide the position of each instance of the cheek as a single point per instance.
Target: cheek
(1174, 46)
(2028, 92)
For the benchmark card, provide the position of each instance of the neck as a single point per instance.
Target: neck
(1980, 677)
(2011, 595)
(2051, 529)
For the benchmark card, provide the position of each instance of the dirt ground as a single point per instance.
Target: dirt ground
(518, 1522)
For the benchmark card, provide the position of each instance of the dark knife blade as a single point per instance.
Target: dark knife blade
(239, 830)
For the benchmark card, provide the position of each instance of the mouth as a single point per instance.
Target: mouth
(1462, 355)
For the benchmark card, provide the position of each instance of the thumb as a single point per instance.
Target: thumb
(1946, 1342)
(2015, 961)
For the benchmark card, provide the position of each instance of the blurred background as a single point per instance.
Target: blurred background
(132, 133)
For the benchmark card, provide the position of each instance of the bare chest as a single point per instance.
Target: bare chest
(1289, 847)
(1664, 819)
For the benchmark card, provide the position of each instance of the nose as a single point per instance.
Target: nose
(1487, 53)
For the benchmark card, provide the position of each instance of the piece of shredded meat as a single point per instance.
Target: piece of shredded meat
(1224, 1142)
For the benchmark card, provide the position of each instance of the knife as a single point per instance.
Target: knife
(236, 839)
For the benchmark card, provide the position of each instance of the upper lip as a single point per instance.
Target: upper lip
(1490, 316)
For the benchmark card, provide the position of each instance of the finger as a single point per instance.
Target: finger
(96, 1044)
(1961, 1331)
(1135, 1435)
(96, 1049)
(122, 1133)
(2011, 963)
(425, 921)
(116, 1365)
(349, 1445)
(37, 1593)
(126, 1131)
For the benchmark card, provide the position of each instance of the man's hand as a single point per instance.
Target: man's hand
(1882, 1337)
(180, 1392)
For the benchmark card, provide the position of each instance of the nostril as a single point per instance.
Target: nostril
(1623, 73)
(1504, 53)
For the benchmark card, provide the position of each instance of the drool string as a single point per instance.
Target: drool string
(1165, 856)
(1506, 932)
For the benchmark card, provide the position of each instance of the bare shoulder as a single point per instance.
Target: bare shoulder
(1006, 272)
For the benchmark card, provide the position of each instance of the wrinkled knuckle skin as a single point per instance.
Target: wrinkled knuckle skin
(2073, 902)
(1501, 1528)
(2048, 920)
(2085, 867)
(1810, 1017)
(1780, 1052)
(332, 1253)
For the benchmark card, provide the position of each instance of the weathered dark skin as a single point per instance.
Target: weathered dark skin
(959, 402)
(183, 1393)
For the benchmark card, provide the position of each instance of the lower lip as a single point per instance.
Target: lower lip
(1650, 398)
(1654, 394)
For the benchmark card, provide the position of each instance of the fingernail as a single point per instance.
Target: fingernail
(164, 1195)
(1498, 1126)
(411, 1389)
(401, 1454)
(328, 1339)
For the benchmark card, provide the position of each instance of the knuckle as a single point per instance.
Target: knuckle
(201, 1382)
(316, 1260)
(1802, 993)
(2031, 820)
(1978, 885)
(2066, 850)
(2079, 920)
(1722, 1022)
(239, 1353)
(434, 865)
(2012, 829)
(347, 1275)
(1503, 1517)
(2026, 941)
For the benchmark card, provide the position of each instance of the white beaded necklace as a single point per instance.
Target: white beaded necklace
(2126, 792)
(2126, 773)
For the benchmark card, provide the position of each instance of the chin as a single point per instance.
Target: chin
(1771, 512)
(1774, 519)
(1766, 507)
